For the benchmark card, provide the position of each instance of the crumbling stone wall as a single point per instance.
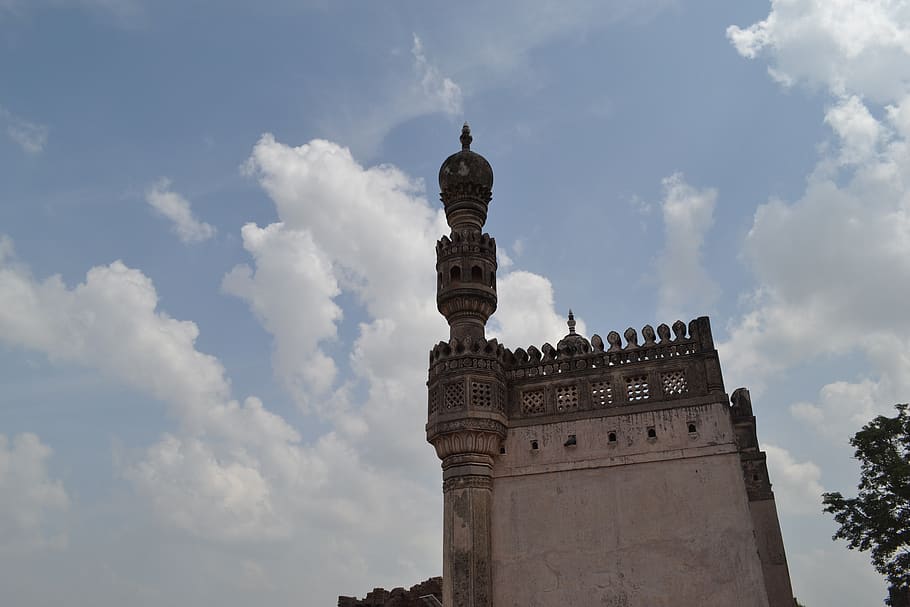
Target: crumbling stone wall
(397, 597)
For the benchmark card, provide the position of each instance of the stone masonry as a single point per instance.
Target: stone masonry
(397, 597)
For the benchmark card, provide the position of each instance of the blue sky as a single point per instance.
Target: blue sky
(216, 269)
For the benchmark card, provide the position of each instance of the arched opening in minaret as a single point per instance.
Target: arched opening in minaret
(455, 274)
(476, 274)
(493, 278)
(439, 281)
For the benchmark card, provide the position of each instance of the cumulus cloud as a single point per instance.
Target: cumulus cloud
(526, 315)
(110, 323)
(293, 277)
(834, 266)
(31, 502)
(176, 208)
(29, 136)
(859, 132)
(371, 227)
(840, 45)
(234, 471)
(796, 484)
(183, 478)
(685, 290)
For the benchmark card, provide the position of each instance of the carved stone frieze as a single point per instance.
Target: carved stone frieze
(467, 441)
(455, 365)
(466, 242)
(473, 301)
(481, 424)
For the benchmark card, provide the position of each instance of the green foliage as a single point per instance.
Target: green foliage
(878, 518)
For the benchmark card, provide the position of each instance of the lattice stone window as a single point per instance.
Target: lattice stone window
(601, 394)
(533, 402)
(674, 383)
(501, 398)
(431, 405)
(481, 395)
(637, 387)
(454, 397)
(567, 398)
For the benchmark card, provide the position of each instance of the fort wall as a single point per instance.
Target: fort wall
(585, 520)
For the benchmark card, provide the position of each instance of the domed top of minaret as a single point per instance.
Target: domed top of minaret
(573, 343)
(466, 176)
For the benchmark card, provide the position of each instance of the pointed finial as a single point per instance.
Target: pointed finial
(466, 138)
(571, 322)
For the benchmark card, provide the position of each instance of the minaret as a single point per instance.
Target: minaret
(466, 262)
(467, 419)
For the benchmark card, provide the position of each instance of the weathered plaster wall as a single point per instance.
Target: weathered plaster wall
(771, 552)
(639, 522)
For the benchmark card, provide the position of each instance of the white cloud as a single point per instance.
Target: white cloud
(834, 266)
(685, 290)
(110, 323)
(859, 132)
(796, 485)
(842, 45)
(526, 315)
(371, 227)
(447, 69)
(183, 479)
(176, 208)
(292, 277)
(31, 503)
(440, 92)
(418, 89)
(29, 136)
(503, 260)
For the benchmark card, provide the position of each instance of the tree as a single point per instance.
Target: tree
(878, 518)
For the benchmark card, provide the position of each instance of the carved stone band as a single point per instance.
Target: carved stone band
(467, 441)
(467, 482)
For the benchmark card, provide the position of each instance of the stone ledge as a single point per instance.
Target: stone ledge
(620, 460)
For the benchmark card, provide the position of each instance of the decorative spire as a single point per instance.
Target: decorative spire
(571, 322)
(466, 138)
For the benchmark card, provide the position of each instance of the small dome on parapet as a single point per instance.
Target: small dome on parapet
(573, 343)
(466, 173)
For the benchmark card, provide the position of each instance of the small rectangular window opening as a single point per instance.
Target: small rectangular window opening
(534, 445)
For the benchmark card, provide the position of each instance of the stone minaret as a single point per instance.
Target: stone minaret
(589, 473)
(467, 420)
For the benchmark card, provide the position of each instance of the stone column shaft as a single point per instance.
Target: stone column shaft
(467, 499)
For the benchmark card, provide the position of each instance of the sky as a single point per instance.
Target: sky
(217, 231)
